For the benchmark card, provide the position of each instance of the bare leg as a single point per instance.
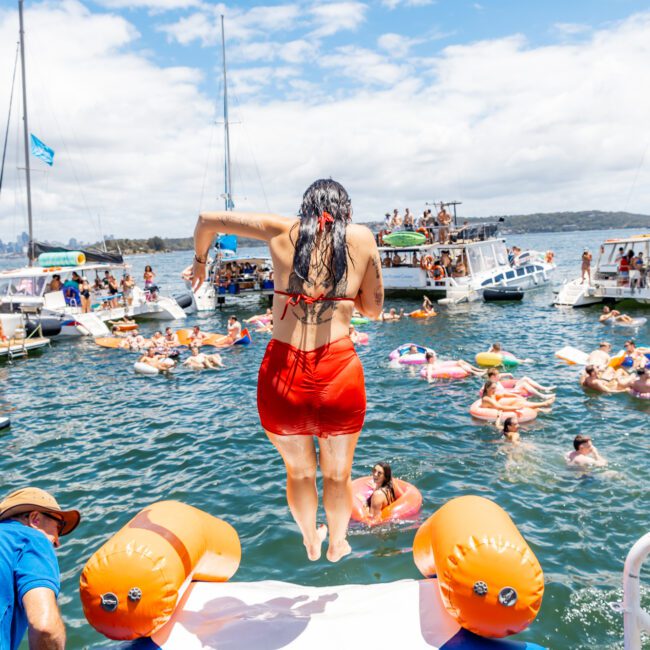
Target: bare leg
(530, 388)
(299, 457)
(532, 382)
(336, 456)
(468, 367)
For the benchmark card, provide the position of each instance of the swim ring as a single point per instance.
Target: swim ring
(145, 369)
(493, 359)
(633, 324)
(400, 354)
(362, 338)
(445, 370)
(637, 394)
(420, 313)
(359, 320)
(490, 415)
(408, 501)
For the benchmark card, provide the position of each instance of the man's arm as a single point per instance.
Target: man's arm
(45, 626)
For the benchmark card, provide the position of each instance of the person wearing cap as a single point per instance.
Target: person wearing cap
(586, 266)
(31, 523)
(584, 453)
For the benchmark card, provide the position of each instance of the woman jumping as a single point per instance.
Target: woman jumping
(311, 380)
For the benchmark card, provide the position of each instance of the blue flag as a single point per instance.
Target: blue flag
(41, 150)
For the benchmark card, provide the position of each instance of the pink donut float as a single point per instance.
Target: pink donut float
(362, 338)
(490, 415)
(408, 501)
(445, 370)
(510, 386)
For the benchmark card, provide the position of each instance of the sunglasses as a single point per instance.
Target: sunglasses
(60, 522)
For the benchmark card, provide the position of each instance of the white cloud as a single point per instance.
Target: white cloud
(337, 16)
(396, 45)
(571, 29)
(502, 126)
(154, 5)
(393, 4)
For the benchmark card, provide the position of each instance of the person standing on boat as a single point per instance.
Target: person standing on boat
(311, 380)
(586, 266)
(444, 219)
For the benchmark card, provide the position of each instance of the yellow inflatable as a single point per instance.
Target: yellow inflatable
(490, 580)
(131, 585)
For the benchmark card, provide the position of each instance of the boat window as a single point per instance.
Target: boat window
(22, 286)
(4, 287)
(499, 278)
(521, 271)
(510, 275)
(501, 253)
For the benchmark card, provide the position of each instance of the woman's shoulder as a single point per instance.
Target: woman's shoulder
(360, 234)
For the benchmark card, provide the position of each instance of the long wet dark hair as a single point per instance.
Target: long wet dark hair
(388, 480)
(323, 198)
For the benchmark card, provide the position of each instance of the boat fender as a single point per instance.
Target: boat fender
(131, 585)
(490, 580)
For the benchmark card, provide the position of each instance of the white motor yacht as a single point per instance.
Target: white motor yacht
(472, 260)
(29, 289)
(608, 282)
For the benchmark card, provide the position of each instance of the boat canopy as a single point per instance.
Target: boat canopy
(92, 254)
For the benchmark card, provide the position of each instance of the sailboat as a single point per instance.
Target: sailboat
(229, 273)
(49, 284)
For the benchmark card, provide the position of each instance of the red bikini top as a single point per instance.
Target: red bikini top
(296, 298)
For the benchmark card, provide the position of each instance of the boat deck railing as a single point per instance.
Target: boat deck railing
(636, 620)
(445, 235)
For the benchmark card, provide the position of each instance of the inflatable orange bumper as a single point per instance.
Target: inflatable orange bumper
(490, 580)
(131, 585)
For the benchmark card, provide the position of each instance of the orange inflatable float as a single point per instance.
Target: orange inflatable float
(408, 501)
(131, 585)
(490, 581)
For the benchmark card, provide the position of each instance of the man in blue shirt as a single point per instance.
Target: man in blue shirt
(31, 523)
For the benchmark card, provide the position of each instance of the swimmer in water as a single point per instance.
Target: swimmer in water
(391, 315)
(384, 492)
(490, 400)
(427, 308)
(157, 361)
(590, 379)
(496, 349)
(509, 429)
(323, 267)
(199, 360)
(263, 318)
(614, 315)
(640, 385)
(584, 454)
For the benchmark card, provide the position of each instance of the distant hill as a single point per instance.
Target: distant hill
(511, 224)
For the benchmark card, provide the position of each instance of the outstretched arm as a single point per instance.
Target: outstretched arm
(247, 224)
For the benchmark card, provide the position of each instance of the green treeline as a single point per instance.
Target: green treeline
(511, 224)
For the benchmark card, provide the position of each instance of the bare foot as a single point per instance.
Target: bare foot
(313, 550)
(337, 551)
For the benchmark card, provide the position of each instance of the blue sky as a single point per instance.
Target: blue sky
(511, 107)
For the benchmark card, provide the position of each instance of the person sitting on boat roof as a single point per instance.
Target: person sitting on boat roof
(392, 315)
(397, 260)
(408, 220)
(199, 360)
(584, 453)
(55, 284)
(384, 493)
(590, 379)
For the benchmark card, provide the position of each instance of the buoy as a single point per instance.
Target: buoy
(490, 581)
(130, 587)
(5, 423)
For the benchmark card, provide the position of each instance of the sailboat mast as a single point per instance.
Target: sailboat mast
(227, 171)
(30, 249)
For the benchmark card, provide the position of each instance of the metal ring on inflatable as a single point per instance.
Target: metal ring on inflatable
(408, 501)
(491, 415)
(490, 581)
(130, 587)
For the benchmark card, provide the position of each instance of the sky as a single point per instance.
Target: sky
(509, 107)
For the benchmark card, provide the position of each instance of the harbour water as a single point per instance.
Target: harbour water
(110, 442)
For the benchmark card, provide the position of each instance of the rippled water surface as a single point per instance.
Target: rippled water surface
(110, 442)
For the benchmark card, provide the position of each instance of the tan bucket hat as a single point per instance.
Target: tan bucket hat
(32, 498)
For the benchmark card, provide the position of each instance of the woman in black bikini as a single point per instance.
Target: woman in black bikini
(384, 493)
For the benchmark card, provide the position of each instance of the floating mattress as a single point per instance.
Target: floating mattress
(405, 238)
(572, 356)
(269, 615)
